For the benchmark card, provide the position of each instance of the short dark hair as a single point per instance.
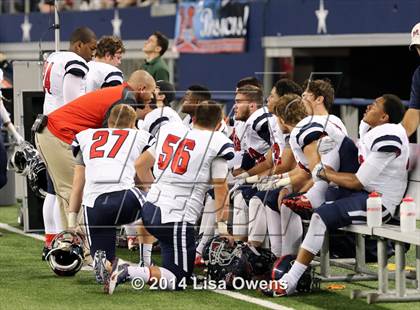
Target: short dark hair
(109, 44)
(252, 93)
(162, 41)
(321, 88)
(249, 80)
(168, 90)
(286, 86)
(208, 114)
(82, 34)
(394, 107)
(200, 92)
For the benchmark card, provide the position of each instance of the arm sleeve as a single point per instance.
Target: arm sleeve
(219, 168)
(73, 87)
(374, 164)
(151, 141)
(415, 90)
(77, 153)
(113, 79)
(226, 151)
(309, 133)
(4, 115)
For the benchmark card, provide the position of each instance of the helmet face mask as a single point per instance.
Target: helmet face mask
(27, 161)
(225, 262)
(66, 255)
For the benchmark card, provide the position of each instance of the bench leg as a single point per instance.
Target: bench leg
(418, 266)
(382, 266)
(325, 256)
(360, 253)
(400, 269)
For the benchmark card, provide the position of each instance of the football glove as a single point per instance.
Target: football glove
(272, 182)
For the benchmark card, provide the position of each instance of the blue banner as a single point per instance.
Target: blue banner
(214, 26)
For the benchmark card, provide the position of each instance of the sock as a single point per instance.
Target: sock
(139, 272)
(145, 250)
(257, 220)
(240, 215)
(207, 227)
(315, 235)
(48, 239)
(293, 276)
(274, 230)
(292, 231)
(316, 194)
(59, 227)
(48, 216)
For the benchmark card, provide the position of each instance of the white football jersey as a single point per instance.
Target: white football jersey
(159, 117)
(183, 170)
(258, 133)
(238, 143)
(109, 155)
(102, 75)
(392, 179)
(312, 128)
(57, 65)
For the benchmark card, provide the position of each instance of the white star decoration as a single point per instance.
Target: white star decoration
(116, 24)
(26, 29)
(321, 14)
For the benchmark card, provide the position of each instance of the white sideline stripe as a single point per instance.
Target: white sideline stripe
(252, 300)
(235, 295)
(20, 232)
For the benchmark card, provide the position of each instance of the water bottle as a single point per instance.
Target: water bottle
(408, 215)
(374, 210)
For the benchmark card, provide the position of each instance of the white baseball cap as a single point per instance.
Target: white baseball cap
(415, 35)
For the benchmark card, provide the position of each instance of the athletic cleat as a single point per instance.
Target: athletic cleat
(45, 251)
(99, 267)
(276, 289)
(119, 275)
(299, 204)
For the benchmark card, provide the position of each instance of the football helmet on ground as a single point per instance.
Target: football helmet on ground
(66, 255)
(225, 262)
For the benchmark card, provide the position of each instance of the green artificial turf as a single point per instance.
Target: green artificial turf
(26, 282)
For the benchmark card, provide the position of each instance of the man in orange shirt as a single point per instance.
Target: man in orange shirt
(88, 111)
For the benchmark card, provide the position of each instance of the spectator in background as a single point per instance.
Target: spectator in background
(412, 116)
(154, 48)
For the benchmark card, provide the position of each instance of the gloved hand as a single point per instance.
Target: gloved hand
(240, 179)
(299, 204)
(272, 182)
(325, 145)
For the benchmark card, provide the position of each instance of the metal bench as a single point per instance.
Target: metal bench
(383, 233)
